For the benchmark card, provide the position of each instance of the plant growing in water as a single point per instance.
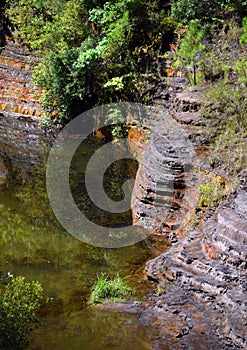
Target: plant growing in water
(109, 289)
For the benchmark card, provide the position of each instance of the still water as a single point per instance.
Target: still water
(34, 245)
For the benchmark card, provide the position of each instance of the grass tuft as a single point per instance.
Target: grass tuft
(109, 289)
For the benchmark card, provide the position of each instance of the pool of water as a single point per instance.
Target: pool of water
(34, 245)
(92, 330)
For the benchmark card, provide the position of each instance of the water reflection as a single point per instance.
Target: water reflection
(93, 330)
(33, 244)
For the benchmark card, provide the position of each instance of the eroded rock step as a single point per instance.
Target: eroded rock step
(163, 194)
(214, 268)
(232, 226)
(241, 202)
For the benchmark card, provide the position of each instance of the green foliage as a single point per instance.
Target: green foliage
(189, 54)
(103, 17)
(226, 106)
(47, 24)
(109, 289)
(78, 78)
(99, 52)
(19, 301)
(212, 193)
(205, 11)
(237, 5)
(223, 52)
(98, 61)
(62, 85)
(243, 39)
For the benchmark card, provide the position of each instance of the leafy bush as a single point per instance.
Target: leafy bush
(112, 47)
(95, 63)
(212, 192)
(46, 24)
(18, 302)
(112, 289)
(74, 78)
(207, 11)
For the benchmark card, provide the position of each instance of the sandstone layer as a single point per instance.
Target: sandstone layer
(22, 141)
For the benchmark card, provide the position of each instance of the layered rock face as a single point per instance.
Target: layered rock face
(208, 266)
(165, 188)
(18, 97)
(211, 266)
(20, 109)
(162, 193)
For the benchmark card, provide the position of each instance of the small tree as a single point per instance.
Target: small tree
(188, 56)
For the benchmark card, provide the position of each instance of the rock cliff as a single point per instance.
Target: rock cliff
(205, 271)
(210, 266)
(165, 194)
(20, 109)
(207, 266)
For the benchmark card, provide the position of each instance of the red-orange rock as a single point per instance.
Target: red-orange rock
(37, 113)
(2, 107)
(211, 251)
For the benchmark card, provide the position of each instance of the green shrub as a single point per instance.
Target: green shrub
(189, 54)
(226, 108)
(112, 289)
(206, 11)
(78, 77)
(46, 24)
(212, 193)
(19, 300)
(98, 61)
